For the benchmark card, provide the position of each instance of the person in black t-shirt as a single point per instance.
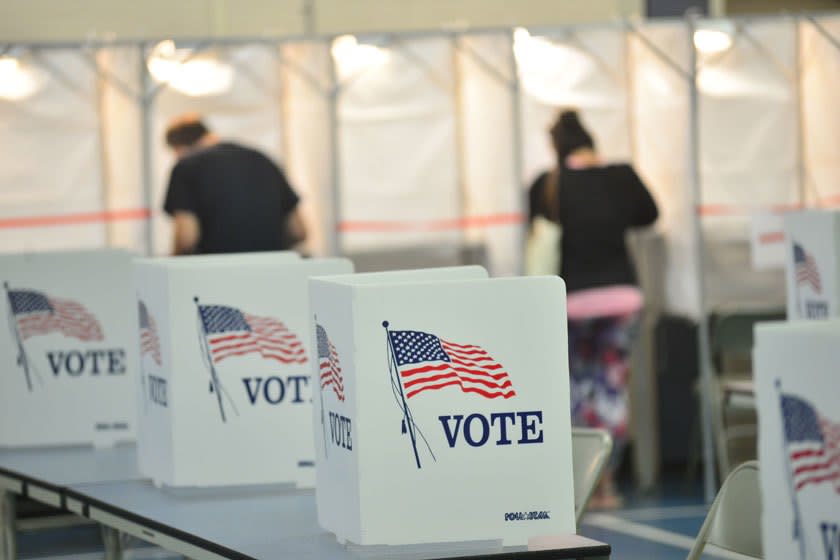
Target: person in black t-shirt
(226, 198)
(595, 205)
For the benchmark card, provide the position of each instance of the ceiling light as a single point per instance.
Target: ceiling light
(18, 81)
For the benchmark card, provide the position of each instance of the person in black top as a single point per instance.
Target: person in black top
(226, 198)
(595, 205)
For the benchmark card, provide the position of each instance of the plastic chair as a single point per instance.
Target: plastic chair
(591, 450)
(734, 521)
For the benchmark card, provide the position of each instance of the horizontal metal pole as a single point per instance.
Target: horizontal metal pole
(617, 24)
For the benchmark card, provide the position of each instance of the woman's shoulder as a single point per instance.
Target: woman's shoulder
(539, 182)
(621, 172)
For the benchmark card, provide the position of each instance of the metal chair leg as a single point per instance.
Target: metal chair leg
(112, 540)
(8, 515)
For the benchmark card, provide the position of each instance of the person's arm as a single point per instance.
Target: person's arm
(296, 227)
(180, 203)
(187, 233)
(643, 208)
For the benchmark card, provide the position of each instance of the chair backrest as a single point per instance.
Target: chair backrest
(734, 521)
(591, 450)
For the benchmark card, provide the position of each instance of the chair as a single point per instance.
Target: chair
(731, 345)
(591, 450)
(734, 521)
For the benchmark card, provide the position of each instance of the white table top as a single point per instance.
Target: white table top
(275, 524)
(62, 466)
(257, 523)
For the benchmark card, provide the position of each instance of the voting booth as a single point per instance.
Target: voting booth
(799, 438)
(68, 349)
(442, 413)
(225, 369)
(813, 278)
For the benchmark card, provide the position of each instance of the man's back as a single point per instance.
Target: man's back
(241, 199)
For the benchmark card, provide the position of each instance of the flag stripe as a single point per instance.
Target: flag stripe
(261, 342)
(481, 392)
(818, 479)
(432, 378)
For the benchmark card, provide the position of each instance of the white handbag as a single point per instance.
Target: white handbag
(542, 254)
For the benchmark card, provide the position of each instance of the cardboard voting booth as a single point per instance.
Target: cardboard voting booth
(225, 370)
(68, 349)
(796, 379)
(443, 410)
(813, 278)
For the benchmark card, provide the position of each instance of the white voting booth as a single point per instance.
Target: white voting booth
(813, 276)
(443, 407)
(799, 438)
(68, 349)
(225, 369)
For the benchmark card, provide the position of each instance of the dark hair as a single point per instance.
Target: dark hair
(568, 134)
(185, 133)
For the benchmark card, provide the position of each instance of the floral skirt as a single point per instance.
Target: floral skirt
(599, 365)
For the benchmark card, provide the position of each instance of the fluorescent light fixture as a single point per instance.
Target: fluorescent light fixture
(352, 57)
(713, 37)
(191, 75)
(18, 81)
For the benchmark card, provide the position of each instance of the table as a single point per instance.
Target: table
(42, 474)
(242, 524)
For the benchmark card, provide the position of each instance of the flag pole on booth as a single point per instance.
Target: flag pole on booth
(797, 516)
(408, 423)
(22, 358)
(214, 383)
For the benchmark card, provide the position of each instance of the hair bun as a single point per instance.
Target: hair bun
(569, 120)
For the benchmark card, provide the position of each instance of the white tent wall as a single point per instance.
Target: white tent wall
(120, 121)
(749, 119)
(659, 58)
(582, 69)
(399, 177)
(308, 139)
(51, 172)
(250, 112)
(820, 60)
(493, 201)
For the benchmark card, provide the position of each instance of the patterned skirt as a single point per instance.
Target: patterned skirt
(599, 365)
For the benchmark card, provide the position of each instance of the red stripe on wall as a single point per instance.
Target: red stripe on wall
(76, 219)
(431, 225)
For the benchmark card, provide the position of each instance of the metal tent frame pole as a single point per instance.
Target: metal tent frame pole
(146, 101)
(518, 157)
(334, 234)
(703, 338)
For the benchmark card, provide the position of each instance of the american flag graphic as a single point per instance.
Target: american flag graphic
(428, 363)
(231, 332)
(806, 268)
(328, 364)
(813, 444)
(149, 341)
(37, 314)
